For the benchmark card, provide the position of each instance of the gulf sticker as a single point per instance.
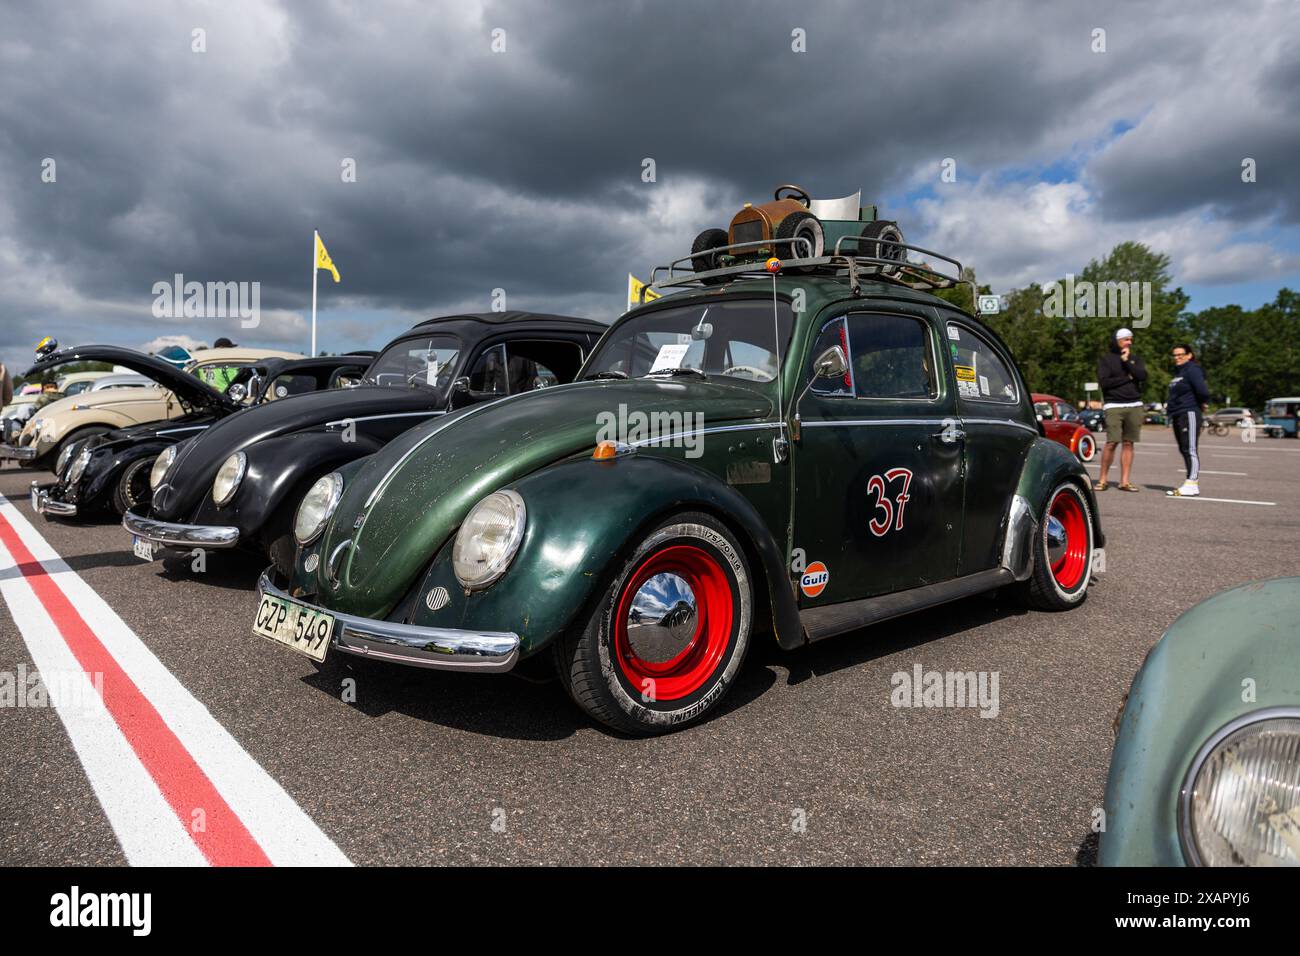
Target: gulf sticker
(964, 373)
(814, 579)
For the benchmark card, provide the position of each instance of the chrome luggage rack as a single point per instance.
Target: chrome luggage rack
(854, 267)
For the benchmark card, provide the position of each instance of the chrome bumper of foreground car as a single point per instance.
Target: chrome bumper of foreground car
(27, 453)
(165, 534)
(442, 648)
(43, 504)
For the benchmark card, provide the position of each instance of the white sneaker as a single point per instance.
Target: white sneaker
(1189, 489)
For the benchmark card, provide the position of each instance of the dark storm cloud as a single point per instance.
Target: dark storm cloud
(521, 169)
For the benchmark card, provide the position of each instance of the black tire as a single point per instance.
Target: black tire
(796, 225)
(595, 662)
(708, 239)
(885, 229)
(132, 486)
(1049, 588)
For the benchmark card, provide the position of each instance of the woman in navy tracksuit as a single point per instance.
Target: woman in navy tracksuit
(1188, 393)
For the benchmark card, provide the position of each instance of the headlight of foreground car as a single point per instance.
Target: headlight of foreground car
(78, 466)
(160, 466)
(1242, 794)
(64, 455)
(488, 539)
(229, 475)
(316, 507)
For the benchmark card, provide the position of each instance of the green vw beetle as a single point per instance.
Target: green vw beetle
(797, 448)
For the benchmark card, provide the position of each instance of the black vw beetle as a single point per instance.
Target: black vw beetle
(111, 471)
(237, 484)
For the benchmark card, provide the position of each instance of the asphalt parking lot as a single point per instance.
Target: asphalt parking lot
(808, 761)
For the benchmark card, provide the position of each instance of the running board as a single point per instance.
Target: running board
(823, 622)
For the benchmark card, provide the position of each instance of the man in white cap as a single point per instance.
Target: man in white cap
(1121, 375)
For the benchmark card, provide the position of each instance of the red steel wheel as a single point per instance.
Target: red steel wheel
(1067, 537)
(682, 594)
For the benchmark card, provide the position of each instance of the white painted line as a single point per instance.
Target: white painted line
(1226, 501)
(272, 824)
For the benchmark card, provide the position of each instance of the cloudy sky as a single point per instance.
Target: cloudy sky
(522, 169)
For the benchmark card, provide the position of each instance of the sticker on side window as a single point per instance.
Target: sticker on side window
(953, 333)
(670, 356)
(964, 373)
(984, 385)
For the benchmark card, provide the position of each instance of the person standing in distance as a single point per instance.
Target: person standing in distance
(1188, 394)
(1121, 375)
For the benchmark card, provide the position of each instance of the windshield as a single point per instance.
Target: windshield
(736, 338)
(426, 362)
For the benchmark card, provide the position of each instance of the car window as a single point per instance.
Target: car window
(1066, 413)
(541, 364)
(890, 357)
(1044, 409)
(833, 333)
(427, 362)
(734, 338)
(489, 375)
(290, 384)
(218, 374)
(981, 374)
(76, 388)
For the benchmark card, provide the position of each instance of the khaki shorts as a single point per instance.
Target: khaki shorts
(1124, 424)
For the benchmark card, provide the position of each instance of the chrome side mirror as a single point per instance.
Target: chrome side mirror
(831, 364)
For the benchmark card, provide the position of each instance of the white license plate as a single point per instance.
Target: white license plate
(143, 549)
(294, 625)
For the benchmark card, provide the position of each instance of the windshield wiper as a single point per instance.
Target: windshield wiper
(609, 373)
(674, 372)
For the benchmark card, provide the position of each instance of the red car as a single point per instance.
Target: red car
(1061, 423)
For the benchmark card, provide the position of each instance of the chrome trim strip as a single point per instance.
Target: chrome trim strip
(999, 421)
(179, 431)
(166, 534)
(26, 453)
(830, 423)
(705, 431)
(375, 418)
(1185, 839)
(440, 648)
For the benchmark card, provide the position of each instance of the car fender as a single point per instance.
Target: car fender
(1047, 465)
(1191, 686)
(108, 461)
(276, 467)
(584, 518)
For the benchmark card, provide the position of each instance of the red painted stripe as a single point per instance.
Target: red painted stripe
(225, 841)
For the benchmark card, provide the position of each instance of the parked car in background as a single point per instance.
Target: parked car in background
(110, 472)
(237, 483)
(97, 412)
(1280, 416)
(1061, 423)
(1206, 765)
(809, 472)
(1094, 419)
(1230, 416)
(1155, 414)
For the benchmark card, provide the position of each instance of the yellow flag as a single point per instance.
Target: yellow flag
(634, 287)
(323, 260)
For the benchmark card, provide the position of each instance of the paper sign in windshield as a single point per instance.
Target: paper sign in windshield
(670, 356)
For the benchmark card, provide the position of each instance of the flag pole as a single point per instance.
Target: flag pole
(315, 272)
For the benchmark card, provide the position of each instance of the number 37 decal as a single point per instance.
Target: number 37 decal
(889, 510)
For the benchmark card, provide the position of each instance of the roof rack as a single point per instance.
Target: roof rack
(897, 269)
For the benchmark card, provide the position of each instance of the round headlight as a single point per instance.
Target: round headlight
(316, 507)
(488, 539)
(62, 461)
(229, 475)
(160, 466)
(78, 466)
(1242, 794)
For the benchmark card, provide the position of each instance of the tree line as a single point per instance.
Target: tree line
(1249, 355)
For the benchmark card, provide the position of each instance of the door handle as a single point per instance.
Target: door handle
(950, 434)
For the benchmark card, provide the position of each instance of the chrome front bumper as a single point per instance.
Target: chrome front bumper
(165, 534)
(27, 453)
(441, 648)
(43, 504)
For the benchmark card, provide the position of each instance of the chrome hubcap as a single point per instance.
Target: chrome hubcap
(661, 618)
(1057, 540)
